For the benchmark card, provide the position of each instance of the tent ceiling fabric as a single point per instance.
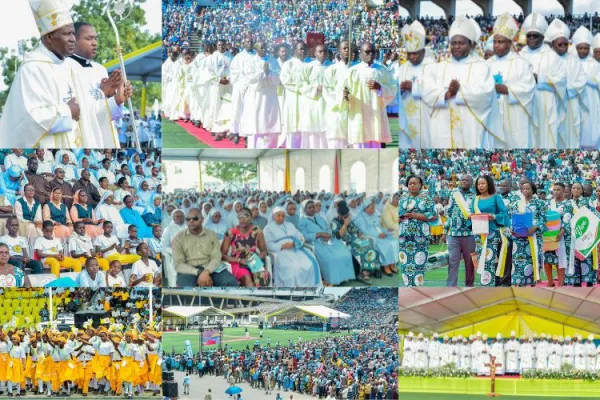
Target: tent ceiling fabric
(217, 155)
(145, 63)
(187, 312)
(446, 309)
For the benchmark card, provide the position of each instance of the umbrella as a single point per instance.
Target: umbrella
(62, 282)
(232, 390)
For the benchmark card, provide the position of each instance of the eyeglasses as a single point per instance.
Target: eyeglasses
(532, 35)
(192, 219)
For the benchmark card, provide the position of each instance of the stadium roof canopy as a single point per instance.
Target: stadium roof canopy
(564, 311)
(187, 312)
(144, 64)
(246, 156)
(318, 311)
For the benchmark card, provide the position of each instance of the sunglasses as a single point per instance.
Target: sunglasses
(192, 219)
(532, 35)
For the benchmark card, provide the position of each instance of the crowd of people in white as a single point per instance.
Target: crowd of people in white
(512, 355)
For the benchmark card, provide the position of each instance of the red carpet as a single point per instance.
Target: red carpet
(204, 136)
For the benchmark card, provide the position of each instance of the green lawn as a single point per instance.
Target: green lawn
(440, 396)
(436, 276)
(175, 137)
(234, 338)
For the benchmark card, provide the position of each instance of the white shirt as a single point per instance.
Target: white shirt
(140, 269)
(86, 281)
(103, 242)
(15, 245)
(119, 281)
(52, 246)
(13, 159)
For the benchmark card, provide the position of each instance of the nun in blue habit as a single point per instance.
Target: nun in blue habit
(215, 222)
(335, 260)
(369, 224)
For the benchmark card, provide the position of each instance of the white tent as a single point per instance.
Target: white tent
(318, 311)
(527, 310)
(193, 311)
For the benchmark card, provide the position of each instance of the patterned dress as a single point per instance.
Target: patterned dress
(362, 249)
(491, 205)
(522, 273)
(242, 246)
(586, 267)
(565, 208)
(414, 239)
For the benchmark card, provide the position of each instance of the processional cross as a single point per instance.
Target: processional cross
(492, 364)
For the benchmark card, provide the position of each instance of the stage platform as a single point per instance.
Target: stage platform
(504, 386)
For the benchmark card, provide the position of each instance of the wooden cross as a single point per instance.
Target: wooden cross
(492, 364)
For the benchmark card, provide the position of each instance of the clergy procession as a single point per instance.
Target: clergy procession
(60, 97)
(91, 217)
(524, 355)
(303, 239)
(531, 203)
(275, 96)
(482, 83)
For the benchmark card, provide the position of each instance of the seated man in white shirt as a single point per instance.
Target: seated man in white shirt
(91, 276)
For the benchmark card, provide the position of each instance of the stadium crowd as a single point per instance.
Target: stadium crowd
(513, 356)
(310, 231)
(360, 365)
(375, 304)
(95, 213)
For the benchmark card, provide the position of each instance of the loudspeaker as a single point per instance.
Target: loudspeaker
(82, 317)
(260, 325)
(170, 390)
(168, 376)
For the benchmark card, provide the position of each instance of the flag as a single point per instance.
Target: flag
(336, 175)
(287, 187)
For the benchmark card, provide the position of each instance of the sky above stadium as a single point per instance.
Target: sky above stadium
(500, 6)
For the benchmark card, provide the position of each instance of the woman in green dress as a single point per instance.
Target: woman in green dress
(488, 202)
(415, 211)
(528, 251)
(365, 256)
(560, 257)
(587, 268)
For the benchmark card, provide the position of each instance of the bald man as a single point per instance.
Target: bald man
(368, 89)
(313, 125)
(459, 236)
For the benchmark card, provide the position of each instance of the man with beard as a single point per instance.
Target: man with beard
(39, 183)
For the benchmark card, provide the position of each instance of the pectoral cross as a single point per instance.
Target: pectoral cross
(492, 364)
(70, 93)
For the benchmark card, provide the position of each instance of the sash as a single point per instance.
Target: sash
(461, 203)
(545, 86)
(571, 94)
(503, 253)
(592, 84)
(481, 263)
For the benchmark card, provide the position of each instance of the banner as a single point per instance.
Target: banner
(210, 337)
(586, 232)
(334, 322)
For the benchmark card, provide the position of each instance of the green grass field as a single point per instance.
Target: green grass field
(175, 137)
(234, 338)
(441, 396)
